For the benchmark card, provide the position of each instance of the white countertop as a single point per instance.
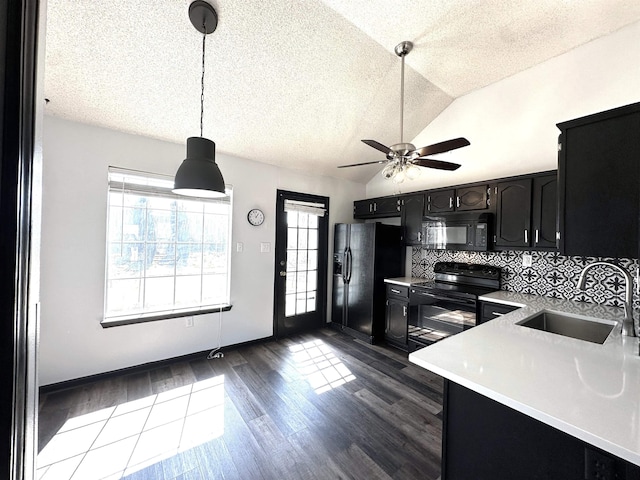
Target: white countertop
(406, 281)
(587, 390)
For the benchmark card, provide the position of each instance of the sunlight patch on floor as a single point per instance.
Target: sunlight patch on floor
(123, 439)
(321, 368)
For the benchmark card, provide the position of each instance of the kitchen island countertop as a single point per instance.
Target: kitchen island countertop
(590, 391)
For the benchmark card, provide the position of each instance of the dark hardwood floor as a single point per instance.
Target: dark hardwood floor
(314, 406)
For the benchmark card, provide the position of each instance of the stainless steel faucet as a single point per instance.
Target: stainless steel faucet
(628, 328)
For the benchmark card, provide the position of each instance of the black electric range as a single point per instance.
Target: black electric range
(448, 304)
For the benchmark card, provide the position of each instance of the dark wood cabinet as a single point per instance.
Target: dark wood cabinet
(460, 199)
(471, 198)
(545, 211)
(440, 201)
(598, 178)
(527, 212)
(485, 440)
(412, 210)
(513, 212)
(382, 207)
(489, 310)
(395, 332)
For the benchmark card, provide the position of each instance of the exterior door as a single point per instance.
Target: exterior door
(301, 262)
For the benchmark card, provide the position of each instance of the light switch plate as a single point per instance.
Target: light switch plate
(265, 247)
(527, 260)
(239, 247)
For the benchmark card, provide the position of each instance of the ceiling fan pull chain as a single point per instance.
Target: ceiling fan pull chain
(204, 37)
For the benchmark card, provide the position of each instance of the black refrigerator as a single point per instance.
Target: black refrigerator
(364, 254)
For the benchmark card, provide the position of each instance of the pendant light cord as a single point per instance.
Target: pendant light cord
(204, 38)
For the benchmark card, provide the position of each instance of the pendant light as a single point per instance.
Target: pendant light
(199, 175)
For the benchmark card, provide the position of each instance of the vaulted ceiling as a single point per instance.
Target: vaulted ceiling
(298, 83)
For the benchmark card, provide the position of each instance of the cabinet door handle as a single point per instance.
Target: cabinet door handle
(457, 202)
(526, 237)
(450, 202)
(537, 236)
(375, 206)
(404, 310)
(419, 236)
(497, 314)
(371, 208)
(393, 290)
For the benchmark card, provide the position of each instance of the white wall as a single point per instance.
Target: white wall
(76, 159)
(511, 124)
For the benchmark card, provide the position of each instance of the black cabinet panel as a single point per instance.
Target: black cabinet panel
(382, 207)
(471, 198)
(441, 201)
(396, 326)
(513, 226)
(395, 332)
(545, 211)
(485, 440)
(362, 209)
(461, 199)
(489, 310)
(412, 212)
(599, 173)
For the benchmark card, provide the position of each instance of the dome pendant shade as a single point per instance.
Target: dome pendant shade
(199, 175)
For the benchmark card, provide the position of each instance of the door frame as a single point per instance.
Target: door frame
(22, 24)
(323, 254)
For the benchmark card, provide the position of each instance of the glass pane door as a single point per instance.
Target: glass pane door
(302, 263)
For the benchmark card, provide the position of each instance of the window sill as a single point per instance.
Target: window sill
(143, 318)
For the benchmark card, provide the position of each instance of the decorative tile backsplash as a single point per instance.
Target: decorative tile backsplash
(550, 275)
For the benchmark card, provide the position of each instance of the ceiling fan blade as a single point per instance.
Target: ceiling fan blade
(431, 163)
(365, 163)
(442, 147)
(377, 146)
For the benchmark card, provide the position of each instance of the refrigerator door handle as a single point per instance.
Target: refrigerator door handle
(349, 261)
(344, 266)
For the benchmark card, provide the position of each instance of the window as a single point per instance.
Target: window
(166, 254)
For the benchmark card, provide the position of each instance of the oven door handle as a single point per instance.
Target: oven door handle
(440, 297)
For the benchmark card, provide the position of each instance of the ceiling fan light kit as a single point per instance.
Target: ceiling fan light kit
(199, 175)
(403, 159)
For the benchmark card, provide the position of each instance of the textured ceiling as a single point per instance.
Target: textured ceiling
(298, 83)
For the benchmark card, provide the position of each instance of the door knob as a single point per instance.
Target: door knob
(283, 274)
(282, 263)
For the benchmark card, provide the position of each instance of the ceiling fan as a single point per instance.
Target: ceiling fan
(403, 159)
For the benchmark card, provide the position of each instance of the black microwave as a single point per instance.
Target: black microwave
(456, 231)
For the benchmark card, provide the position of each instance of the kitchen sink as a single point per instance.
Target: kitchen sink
(570, 326)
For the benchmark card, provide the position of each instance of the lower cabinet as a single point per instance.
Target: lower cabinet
(489, 310)
(395, 331)
(485, 440)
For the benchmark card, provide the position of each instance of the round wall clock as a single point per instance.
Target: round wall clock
(255, 217)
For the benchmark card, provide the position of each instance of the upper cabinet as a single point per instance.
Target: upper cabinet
(513, 213)
(544, 219)
(456, 200)
(376, 208)
(526, 212)
(599, 174)
(412, 206)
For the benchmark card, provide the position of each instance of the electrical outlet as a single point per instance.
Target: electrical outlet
(598, 466)
(527, 260)
(188, 321)
(239, 247)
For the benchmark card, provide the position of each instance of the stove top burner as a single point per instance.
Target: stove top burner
(466, 278)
